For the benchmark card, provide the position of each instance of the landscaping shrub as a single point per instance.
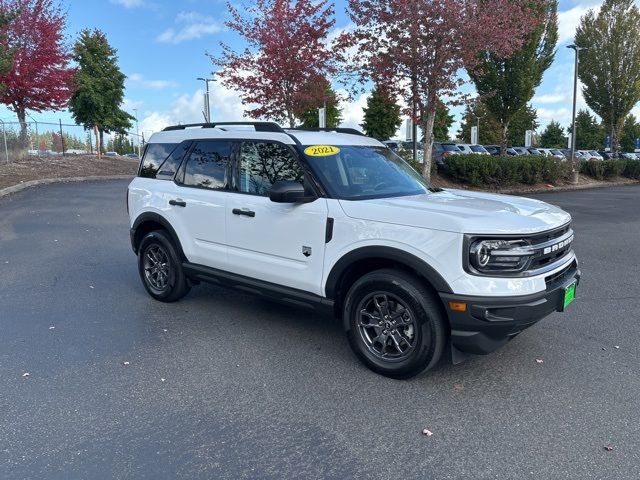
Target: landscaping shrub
(503, 171)
(632, 169)
(602, 169)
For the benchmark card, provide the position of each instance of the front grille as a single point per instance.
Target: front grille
(550, 248)
(559, 277)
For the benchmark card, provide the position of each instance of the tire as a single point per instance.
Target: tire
(160, 268)
(402, 350)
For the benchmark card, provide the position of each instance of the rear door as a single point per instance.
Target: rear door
(274, 242)
(200, 201)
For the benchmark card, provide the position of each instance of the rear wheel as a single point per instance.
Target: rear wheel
(394, 323)
(160, 268)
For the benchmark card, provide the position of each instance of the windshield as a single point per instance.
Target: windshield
(364, 172)
(449, 147)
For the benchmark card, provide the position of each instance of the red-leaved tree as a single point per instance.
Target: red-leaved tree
(286, 45)
(418, 48)
(40, 78)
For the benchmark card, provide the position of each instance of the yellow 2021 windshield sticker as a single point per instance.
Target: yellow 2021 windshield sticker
(321, 151)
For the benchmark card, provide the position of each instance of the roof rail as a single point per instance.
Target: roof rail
(350, 131)
(259, 126)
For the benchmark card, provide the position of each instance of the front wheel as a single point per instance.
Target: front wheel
(160, 268)
(394, 323)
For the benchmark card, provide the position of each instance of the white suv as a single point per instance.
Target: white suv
(334, 219)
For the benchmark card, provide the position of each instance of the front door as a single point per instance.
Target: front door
(275, 242)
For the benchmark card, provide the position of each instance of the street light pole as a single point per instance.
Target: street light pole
(207, 101)
(574, 173)
(137, 132)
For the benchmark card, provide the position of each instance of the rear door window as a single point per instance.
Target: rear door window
(208, 165)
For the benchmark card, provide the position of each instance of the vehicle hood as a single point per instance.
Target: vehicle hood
(461, 211)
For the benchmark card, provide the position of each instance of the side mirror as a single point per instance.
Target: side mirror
(287, 191)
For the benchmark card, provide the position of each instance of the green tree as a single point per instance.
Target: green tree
(317, 92)
(553, 136)
(381, 115)
(610, 67)
(630, 132)
(442, 123)
(509, 83)
(7, 52)
(589, 133)
(99, 94)
(524, 119)
(475, 114)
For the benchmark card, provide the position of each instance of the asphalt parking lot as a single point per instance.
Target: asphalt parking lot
(226, 386)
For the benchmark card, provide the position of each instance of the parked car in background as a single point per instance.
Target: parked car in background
(535, 151)
(605, 155)
(132, 155)
(408, 147)
(557, 153)
(628, 156)
(520, 150)
(595, 155)
(579, 155)
(443, 150)
(392, 144)
(492, 149)
(470, 149)
(112, 154)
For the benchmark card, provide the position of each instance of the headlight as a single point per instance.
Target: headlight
(500, 256)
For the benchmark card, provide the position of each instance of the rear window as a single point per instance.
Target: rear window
(451, 148)
(161, 160)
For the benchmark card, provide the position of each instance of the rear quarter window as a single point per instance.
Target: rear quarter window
(161, 160)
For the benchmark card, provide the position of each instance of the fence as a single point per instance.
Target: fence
(49, 139)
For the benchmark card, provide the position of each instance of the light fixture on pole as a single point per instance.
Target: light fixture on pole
(137, 133)
(574, 172)
(207, 104)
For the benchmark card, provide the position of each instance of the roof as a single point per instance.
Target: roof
(286, 136)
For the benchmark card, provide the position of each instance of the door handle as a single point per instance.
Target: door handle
(246, 213)
(178, 203)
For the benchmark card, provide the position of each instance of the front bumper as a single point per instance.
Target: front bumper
(490, 322)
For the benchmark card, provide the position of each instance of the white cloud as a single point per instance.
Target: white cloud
(191, 26)
(188, 108)
(568, 20)
(130, 105)
(129, 3)
(550, 98)
(138, 80)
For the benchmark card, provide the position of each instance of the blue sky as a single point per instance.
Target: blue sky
(162, 44)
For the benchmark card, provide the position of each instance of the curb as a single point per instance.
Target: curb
(569, 188)
(46, 181)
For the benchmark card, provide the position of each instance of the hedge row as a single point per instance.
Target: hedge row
(503, 171)
(611, 169)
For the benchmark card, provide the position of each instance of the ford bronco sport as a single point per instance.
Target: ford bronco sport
(334, 219)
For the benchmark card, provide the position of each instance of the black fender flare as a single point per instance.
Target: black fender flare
(387, 253)
(159, 219)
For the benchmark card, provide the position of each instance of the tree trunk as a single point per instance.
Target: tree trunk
(427, 130)
(102, 148)
(615, 143)
(96, 132)
(504, 141)
(24, 134)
